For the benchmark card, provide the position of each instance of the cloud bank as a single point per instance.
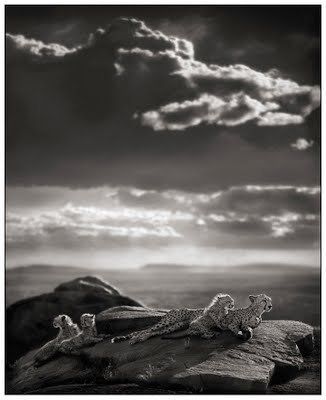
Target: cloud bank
(250, 216)
(102, 111)
(188, 92)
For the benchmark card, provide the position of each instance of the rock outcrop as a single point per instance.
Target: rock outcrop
(224, 365)
(118, 320)
(29, 321)
(92, 388)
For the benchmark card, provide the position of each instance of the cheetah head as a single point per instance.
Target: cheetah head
(87, 320)
(221, 302)
(61, 321)
(262, 300)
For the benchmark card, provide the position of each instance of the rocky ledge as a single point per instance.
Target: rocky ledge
(275, 355)
(29, 321)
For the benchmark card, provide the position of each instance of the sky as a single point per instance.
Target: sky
(144, 134)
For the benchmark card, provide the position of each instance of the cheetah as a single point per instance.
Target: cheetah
(242, 321)
(67, 329)
(87, 336)
(203, 320)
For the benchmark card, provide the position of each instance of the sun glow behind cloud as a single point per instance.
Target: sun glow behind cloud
(119, 227)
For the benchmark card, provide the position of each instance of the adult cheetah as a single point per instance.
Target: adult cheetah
(242, 321)
(203, 320)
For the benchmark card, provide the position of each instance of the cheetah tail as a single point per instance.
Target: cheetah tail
(117, 339)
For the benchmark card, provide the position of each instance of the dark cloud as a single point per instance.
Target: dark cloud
(237, 88)
(267, 200)
(81, 108)
(20, 45)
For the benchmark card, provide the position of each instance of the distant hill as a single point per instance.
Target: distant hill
(168, 267)
(45, 268)
(276, 268)
(252, 268)
(259, 267)
(294, 289)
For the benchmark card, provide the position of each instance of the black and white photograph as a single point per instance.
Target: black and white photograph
(162, 199)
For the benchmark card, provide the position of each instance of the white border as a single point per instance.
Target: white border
(2, 115)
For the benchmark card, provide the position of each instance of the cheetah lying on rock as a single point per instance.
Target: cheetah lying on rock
(240, 321)
(67, 329)
(87, 336)
(203, 321)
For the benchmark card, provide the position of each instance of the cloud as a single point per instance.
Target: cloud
(36, 47)
(88, 114)
(302, 144)
(74, 225)
(208, 109)
(262, 200)
(250, 216)
(276, 118)
(260, 212)
(132, 33)
(288, 223)
(222, 84)
(213, 94)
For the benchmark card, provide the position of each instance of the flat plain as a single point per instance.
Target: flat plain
(295, 290)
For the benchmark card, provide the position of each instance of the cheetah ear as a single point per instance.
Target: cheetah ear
(252, 297)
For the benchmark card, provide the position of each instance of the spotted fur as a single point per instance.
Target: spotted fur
(203, 321)
(67, 329)
(242, 321)
(87, 336)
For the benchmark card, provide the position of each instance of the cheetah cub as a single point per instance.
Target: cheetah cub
(242, 321)
(87, 336)
(67, 329)
(201, 321)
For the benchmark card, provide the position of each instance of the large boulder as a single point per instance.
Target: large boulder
(29, 321)
(95, 388)
(118, 320)
(89, 283)
(61, 370)
(224, 365)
